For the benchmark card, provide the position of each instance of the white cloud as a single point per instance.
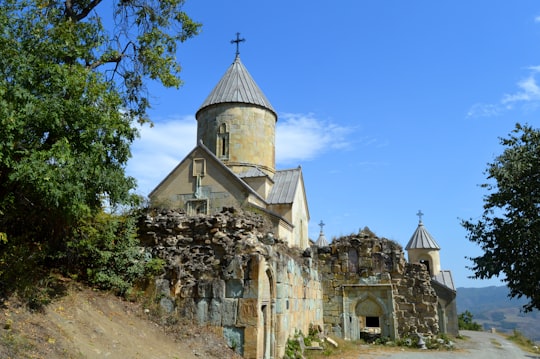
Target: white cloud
(160, 148)
(527, 96)
(529, 91)
(484, 110)
(537, 19)
(302, 137)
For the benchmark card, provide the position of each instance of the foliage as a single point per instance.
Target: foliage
(465, 322)
(71, 93)
(521, 340)
(508, 229)
(293, 349)
(105, 252)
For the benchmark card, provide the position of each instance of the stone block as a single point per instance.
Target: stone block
(167, 304)
(234, 288)
(202, 311)
(204, 289)
(248, 312)
(229, 312)
(218, 288)
(250, 343)
(234, 337)
(215, 312)
(163, 286)
(282, 326)
(250, 289)
(282, 290)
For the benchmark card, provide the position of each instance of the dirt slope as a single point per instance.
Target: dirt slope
(89, 324)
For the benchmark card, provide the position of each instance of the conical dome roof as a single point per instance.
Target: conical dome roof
(321, 241)
(237, 86)
(421, 239)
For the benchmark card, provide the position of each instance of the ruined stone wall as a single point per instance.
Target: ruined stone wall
(416, 301)
(298, 298)
(228, 270)
(367, 277)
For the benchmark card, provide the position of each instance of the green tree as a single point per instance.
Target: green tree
(509, 229)
(71, 92)
(465, 322)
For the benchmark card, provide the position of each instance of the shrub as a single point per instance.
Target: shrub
(465, 322)
(105, 252)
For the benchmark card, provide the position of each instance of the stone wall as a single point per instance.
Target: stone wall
(227, 270)
(366, 279)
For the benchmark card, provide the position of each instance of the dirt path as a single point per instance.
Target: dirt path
(479, 345)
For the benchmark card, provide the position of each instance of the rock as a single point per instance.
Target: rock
(332, 342)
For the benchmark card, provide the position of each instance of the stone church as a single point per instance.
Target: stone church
(233, 164)
(233, 231)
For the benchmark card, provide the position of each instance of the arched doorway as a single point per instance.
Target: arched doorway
(371, 316)
(267, 320)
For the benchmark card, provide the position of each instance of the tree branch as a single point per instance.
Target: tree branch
(85, 11)
(112, 59)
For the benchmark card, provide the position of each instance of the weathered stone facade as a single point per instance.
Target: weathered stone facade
(227, 270)
(241, 136)
(368, 284)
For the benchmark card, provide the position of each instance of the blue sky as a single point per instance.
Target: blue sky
(390, 107)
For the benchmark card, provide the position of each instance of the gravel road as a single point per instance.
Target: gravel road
(481, 345)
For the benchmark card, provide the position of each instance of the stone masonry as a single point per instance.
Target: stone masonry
(227, 270)
(366, 276)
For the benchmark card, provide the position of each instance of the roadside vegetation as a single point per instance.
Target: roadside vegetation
(523, 342)
(315, 345)
(465, 322)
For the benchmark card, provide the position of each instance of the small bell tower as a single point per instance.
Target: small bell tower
(422, 248)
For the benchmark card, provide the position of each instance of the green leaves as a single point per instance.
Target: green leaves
(509, 230)
(71, 92)
(105, 252)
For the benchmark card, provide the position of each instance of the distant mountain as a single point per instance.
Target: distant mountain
(491, 307)
(482, 299)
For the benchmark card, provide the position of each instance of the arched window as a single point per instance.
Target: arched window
(222, 145)
(426, 263)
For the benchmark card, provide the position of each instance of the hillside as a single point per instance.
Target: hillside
(91, 324)
(492, 308)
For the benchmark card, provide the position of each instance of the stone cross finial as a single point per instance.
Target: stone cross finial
(322, 224)
(420, 214)
(237, 41)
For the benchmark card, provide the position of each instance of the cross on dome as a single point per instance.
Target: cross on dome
(237, 41)
(420, 214)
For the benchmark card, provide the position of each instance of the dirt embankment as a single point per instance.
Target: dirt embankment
(90, 324)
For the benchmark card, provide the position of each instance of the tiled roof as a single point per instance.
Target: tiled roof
(421, 239)
(237, 86)
(445, 278)
(284, 189)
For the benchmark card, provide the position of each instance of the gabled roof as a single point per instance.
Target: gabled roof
(444, 278)
(285, 185)
(421, 239)
(220, 164)
(237, 86)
